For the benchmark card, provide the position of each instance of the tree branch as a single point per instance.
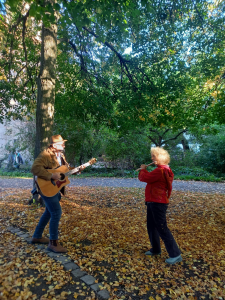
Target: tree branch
(121, 59)
(174, 138)
(165, 132)
(25, 49)
(83, 66)
(153, 140)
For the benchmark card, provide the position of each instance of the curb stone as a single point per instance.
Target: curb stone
(41, 247)
(71, 266)
(53, 254)
(104, 294)
(89, 280)
(78, 273)
(63, 259)
(96, 287)
(47, 251)
(24, 235)
(14, 230)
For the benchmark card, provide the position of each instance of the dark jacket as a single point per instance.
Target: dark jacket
(18, 159)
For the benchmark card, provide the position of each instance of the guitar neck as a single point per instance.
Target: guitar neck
(77, 169)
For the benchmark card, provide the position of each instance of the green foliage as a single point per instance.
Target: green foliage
(212, 154)
(84, 140)
(195, 173)
(127, 151)
(182, 173)
(181, 158)
(20, 51)
(16, 173)
(171, 79)
(158, 82)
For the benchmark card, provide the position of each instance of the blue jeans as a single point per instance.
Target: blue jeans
(53, 212)
(157, 228)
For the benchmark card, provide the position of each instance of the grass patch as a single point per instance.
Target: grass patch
(16, 173)
(180, 173)
(195, 173)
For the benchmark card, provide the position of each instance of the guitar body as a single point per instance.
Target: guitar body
(47, 187)
(50, 188)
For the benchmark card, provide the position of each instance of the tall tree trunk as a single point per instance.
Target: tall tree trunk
(185, 144)
(46, 88)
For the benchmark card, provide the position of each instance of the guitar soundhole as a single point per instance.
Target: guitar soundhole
(62, 176)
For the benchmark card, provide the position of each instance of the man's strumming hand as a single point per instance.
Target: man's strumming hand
(56, 176)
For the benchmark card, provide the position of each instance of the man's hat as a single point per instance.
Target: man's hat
(56, 139)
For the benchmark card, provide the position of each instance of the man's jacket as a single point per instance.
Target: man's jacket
(47, 160)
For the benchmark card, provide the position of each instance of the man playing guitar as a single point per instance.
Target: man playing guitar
(51, 158)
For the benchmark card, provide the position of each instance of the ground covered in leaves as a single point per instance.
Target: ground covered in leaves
(104, 230)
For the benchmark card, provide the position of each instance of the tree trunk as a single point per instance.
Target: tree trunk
(184, 143)
(46, 88)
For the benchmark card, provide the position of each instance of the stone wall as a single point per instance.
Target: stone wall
(8, 132)
(8, 135)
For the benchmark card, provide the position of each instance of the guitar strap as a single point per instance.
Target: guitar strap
(63, 162)
(36, 189)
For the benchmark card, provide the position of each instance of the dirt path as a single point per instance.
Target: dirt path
(178, 185)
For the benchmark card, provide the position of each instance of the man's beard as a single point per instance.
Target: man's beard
(61, 151)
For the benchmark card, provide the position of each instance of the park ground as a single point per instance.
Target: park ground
(104, 230)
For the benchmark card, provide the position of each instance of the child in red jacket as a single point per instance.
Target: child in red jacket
(157, 193)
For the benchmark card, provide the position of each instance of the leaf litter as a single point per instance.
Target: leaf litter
(104, 230)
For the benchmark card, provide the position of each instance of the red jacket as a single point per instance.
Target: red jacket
(159, 184)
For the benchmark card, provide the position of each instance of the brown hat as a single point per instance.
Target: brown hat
(56, 139)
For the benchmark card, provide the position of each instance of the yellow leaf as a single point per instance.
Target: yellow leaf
(57, 287)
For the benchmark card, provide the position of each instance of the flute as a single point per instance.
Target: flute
(147, 165)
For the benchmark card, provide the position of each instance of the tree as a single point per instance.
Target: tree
(24, 27)
(46, 84)
(163, 136)
(18, 63)
(160, 83)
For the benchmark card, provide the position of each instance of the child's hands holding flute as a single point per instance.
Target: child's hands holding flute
(144, 167)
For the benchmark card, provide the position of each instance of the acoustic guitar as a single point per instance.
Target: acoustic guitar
(50, 188)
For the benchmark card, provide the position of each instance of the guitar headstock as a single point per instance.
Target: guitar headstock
(92, 161)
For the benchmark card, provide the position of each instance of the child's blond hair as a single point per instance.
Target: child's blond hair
(161, 155)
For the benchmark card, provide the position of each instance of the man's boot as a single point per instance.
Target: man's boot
(42, 240)
(54, 246)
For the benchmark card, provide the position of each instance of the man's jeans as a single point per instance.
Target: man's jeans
(53, 213)
(157, 227)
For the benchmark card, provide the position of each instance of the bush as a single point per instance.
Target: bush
(195, 171)
(182, 173)
(16, 173)
(182, 158)
(128, 151)
(212, 154)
